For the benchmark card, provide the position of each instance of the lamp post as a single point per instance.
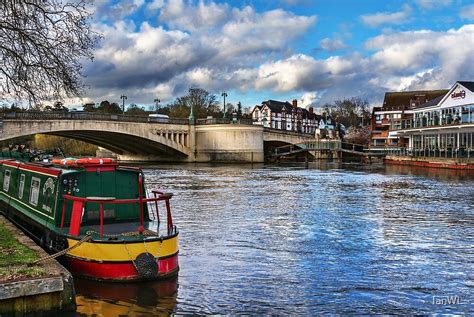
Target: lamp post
(224, 94)
(123, 97)
(157, 103)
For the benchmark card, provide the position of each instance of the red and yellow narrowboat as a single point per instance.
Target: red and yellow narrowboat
(95, 212)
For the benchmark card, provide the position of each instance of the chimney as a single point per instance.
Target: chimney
(295, 103)
(311, 110)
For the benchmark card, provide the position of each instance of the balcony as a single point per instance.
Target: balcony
(428, 123)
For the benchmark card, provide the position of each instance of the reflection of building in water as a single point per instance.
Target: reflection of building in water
(131, 299)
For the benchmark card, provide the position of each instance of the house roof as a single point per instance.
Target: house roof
(402, 100)
(276, 106)
(468, 84)
(432, 102)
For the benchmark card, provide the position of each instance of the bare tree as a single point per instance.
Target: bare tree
(42, 44)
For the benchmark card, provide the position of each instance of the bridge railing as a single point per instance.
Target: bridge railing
(57, 115)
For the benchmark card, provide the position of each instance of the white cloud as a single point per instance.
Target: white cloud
(467, 12)
(309, 99)
(241, 49)
(181, 15)
(432, 4)
(214, 46)
(155, 5)
(405, 54)
(328, 44)
(377, 19)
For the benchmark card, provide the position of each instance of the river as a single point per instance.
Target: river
(286, 239)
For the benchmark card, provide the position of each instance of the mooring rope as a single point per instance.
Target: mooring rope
(86, 238)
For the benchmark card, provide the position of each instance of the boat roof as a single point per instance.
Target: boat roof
(55, 169)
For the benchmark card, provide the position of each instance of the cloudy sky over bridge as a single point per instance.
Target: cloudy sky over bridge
(315, 51)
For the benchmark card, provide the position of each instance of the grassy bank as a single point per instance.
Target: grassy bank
(15, 257)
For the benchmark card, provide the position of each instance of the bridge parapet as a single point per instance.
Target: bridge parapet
(92, 116)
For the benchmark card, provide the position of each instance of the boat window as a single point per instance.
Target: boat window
(94, 214)
(6, 180)
(22, 186)
(34, 191)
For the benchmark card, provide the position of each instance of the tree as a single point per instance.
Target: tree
(42, 44)
(239, 110)
(58, 106)
(349, 112)
(135, 110)
(203, 103)
(107, 107)
(89, 107)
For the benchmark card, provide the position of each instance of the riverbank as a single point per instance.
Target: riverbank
(438, 162)
(25, 288)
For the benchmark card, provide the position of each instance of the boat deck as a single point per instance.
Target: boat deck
(115, 229)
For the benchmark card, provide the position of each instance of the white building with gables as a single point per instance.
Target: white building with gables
(442, 127)
(285, 116)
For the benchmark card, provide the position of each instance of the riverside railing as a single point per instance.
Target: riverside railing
(432, 152)
(424, 123)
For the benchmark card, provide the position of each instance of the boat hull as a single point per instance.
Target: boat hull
(119, 271)
(118, 260)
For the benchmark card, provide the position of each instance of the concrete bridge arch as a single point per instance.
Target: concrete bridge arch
(130, 139)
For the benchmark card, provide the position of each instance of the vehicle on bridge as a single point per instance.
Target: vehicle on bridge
(96, 213)
(156, 117)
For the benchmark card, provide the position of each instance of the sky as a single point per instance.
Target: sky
(314, 51)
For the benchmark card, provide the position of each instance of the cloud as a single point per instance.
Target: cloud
(377, 19)
(400, 61)
(247, 51)
(331, 45)
(114, 11)
(426, 54)
(214, 46)
(467, 12)
(432, 4)
(155, 5)
(309, 99)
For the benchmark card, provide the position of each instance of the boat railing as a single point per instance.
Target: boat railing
(80, 203)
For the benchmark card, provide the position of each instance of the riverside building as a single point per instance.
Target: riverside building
(397, 106)
(439, 132)
(286, 116)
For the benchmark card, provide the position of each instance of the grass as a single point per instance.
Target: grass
(15, 257)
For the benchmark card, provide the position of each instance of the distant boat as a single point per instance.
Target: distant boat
(98, 206)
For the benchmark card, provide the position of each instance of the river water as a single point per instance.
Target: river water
(287, 239)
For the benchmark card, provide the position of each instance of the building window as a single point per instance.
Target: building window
(22, 186)
(6, 180)
(34, 191)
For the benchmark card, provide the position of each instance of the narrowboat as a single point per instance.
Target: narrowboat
(96, 213)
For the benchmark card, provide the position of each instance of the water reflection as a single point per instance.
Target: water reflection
(442, 174)
(130, 299)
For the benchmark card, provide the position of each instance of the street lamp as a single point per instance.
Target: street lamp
(123, 97)
(224, 94)
(157, 102)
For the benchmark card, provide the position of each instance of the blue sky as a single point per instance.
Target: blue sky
(313, 51)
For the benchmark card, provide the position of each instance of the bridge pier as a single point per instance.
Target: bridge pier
(214, 143)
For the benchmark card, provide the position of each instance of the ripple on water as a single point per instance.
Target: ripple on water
(287, 240)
